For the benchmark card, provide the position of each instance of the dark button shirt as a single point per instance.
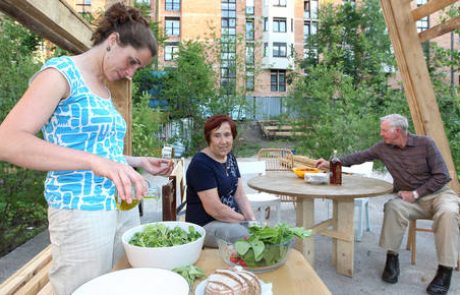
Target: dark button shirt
(418, 166)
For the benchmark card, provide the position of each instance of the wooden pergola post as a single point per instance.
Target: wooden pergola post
(401, 23)
(56, 21)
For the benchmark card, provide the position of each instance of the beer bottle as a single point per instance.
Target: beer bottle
(335, 164)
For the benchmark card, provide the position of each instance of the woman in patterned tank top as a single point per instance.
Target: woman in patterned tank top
(82, 149)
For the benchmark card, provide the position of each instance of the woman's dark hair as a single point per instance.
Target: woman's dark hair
(132, 28)
(215, 122)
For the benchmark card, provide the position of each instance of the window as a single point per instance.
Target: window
(278, 80)
(84, 7)
(279, 25)
(309, 28)
(249, 30)
(310, 9)
(279, 50)
(172, 5)
(172, 26)
(424, 23)
(265, 24)
(265, 49)
(171, 50)
(250, 80)
(228, 49)
(250, 7)
(249, 55)
(281, 3)
(228, 18)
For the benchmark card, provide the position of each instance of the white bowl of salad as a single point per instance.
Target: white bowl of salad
(164, 245)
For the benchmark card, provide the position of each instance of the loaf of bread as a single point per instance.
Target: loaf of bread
(234, 282)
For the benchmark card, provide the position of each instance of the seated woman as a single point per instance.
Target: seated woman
(215, 196)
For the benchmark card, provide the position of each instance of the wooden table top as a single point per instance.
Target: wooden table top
(296, 277)
(288, 183)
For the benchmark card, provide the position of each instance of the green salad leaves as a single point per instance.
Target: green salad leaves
(190, 273)
(266, 245)
(159, 235)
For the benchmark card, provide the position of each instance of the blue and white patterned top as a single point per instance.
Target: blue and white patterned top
(86, 122)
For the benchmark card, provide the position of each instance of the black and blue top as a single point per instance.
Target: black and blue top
(205, 173)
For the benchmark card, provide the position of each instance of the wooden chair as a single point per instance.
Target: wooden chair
(175, 185)
(277, 160)
(412, 240)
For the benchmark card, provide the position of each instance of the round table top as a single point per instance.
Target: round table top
(289, 184)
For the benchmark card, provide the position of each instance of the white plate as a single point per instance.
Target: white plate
(266, 288)
(137, 281)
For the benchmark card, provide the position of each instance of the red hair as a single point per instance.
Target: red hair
(215, 122)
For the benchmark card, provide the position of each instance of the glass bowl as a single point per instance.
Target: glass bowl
(273, 255)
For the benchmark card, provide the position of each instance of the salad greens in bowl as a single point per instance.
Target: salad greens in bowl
(165, 245)
(264, 249)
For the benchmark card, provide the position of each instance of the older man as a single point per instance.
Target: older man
(420, 176)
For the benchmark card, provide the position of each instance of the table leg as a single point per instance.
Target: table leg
(305, 217)
(343, 248)
(334, 226)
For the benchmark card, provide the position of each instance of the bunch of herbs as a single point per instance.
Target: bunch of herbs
(266, 245)
(159, 235)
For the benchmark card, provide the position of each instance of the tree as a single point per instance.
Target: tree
(345, 90)
(22, 205)
(190, 88)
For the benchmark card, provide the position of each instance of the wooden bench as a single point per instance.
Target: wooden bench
(32, 278)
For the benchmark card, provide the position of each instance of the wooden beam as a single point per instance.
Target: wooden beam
(441, 29)
(430, 7)
(416, 80)
(53, 20)
(121, 97)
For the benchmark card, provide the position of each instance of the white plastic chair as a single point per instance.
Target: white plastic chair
(364, 169)
(260, 202)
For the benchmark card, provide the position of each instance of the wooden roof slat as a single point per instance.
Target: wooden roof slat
(53, 20)
(430, 7)
(441, 29)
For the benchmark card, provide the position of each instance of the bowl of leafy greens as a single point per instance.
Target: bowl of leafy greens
(165, 245)
(264, 249)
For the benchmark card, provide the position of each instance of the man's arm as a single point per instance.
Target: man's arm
(353, 159)
(439, 172)
(370, 154)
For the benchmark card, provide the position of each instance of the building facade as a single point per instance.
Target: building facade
(259, 39)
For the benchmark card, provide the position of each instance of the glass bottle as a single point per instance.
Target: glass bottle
(335, 164)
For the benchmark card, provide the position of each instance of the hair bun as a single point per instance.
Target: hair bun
(119, 14)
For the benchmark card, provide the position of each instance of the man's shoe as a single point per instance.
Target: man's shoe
(391, 271)
(441, 282)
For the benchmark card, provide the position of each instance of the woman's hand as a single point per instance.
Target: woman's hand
(123, 176)
(156, 166)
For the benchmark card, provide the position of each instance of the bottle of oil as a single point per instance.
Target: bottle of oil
(335, 164)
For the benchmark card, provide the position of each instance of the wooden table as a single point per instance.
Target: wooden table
(341, 226)
(294, 277)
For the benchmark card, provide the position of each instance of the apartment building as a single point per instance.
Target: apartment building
(270, 34)
(273, 33)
